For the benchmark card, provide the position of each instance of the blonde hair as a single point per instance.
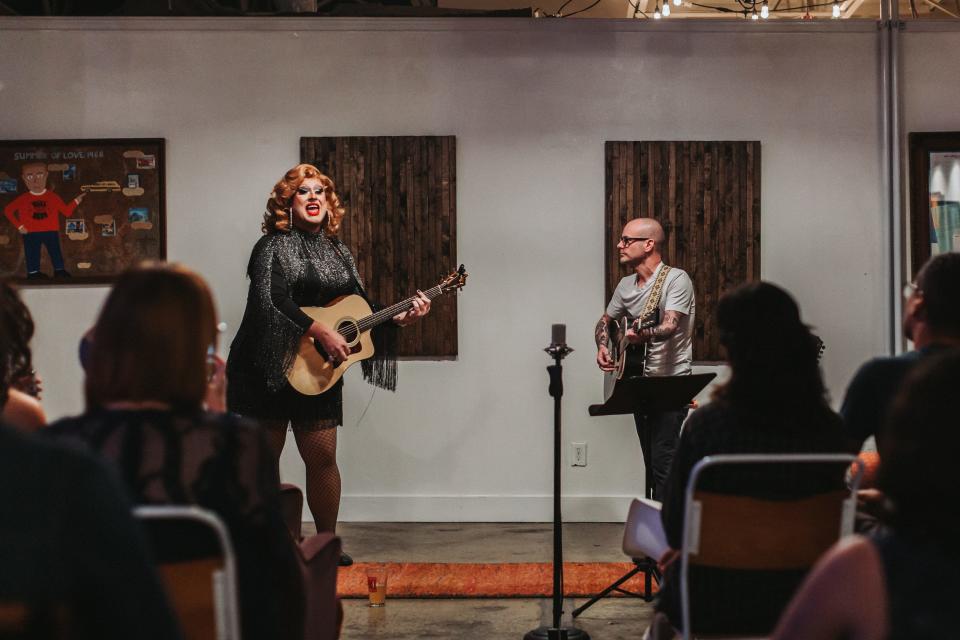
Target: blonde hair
(277, 216)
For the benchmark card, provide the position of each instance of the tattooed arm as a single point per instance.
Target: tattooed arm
(601, 332)
(669, 326)
(601, 335)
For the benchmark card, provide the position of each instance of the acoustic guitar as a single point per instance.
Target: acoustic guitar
(312, 373)
(629, 359)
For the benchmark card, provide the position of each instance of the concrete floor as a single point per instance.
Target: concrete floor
(469, 619)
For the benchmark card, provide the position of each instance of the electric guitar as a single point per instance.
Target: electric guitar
(629, 359)
(312, 373)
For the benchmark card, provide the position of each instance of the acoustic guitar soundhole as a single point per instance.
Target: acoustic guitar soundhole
(348, 330)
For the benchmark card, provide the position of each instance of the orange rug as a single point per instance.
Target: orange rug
(479, 580)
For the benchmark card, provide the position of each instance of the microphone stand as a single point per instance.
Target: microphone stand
(558, 349)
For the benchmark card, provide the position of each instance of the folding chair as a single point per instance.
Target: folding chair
(319, 555)
(197, 565)
(737, 532)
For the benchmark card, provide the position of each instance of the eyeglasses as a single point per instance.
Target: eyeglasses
(626, 241)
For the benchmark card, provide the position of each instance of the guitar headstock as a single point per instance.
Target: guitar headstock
(454, 281)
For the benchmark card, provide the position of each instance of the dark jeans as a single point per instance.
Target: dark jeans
(31, 249)
(659, 432)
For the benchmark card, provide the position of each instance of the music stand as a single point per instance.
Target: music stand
(642, 395)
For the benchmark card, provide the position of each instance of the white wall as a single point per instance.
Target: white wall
(531, 104)
(930, 78)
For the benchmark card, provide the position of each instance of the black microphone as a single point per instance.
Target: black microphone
(558, 342)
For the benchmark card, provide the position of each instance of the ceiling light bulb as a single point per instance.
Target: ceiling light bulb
(666, 9)
(754, 15)
(677, 3)
(764, 10)
(656, 14)
(836, 9)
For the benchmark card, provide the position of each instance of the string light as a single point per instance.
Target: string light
(666, 8)
(756, 9)
(677, 3)
(656, 14)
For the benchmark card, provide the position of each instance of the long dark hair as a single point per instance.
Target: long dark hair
(16, 329)
(773, 357)
(919, 450)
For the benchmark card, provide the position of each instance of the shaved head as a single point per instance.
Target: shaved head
(645, 228)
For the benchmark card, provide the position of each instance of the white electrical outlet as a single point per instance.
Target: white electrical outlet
(578, 454)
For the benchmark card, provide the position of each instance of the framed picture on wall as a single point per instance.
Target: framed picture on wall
(934, 195)
(80, 211)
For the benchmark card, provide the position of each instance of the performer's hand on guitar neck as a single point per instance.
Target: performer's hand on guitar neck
(332, 342)
(637, 337)
(603, 359)
(421, 307)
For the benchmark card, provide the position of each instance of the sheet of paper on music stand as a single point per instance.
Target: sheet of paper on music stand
(643, 534)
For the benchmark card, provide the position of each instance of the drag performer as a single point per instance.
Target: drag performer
(300, 262)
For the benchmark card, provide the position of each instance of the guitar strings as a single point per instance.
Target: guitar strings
(349, 332)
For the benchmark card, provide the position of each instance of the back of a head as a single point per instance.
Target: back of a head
(772, 354)
(151, 339)
(16, 329)
(918, 455)
(939, 281)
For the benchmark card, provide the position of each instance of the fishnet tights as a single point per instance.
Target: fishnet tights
(318, 449)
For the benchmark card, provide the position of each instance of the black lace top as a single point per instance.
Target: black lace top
(215, 461)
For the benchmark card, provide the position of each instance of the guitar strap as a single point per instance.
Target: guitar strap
(653, 300)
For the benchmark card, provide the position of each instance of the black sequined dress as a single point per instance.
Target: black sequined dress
(289, 270)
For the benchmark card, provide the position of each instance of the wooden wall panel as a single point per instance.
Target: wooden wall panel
(400, 197)
(707, 197)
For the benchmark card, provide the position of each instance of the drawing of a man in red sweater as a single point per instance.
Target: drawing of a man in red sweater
(36, 215)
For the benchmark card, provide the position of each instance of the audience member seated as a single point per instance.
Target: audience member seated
(22, 408)
(146, 383)
(931, 319)
(72, 555)
(904, 582)
(773, 402)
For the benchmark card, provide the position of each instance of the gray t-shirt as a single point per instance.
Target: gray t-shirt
(673, 356)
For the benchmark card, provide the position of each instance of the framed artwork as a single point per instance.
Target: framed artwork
(934, 195)
(80, 211)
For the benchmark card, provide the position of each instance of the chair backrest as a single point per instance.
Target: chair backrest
(200, 578)
(291, 508)
(737, 532)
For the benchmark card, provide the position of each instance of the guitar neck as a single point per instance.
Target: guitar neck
(378, 318)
